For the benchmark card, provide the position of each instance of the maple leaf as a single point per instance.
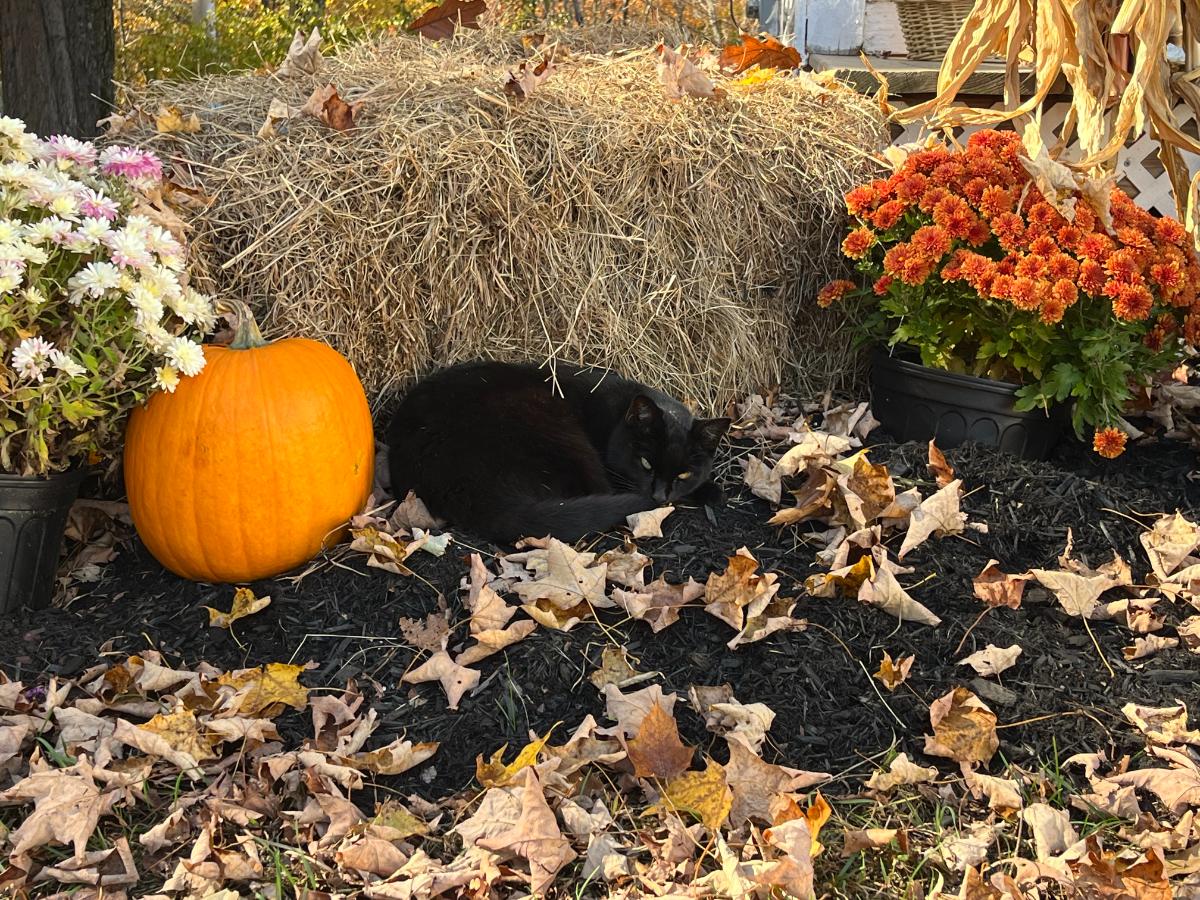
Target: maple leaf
(725, 715)
(1176, 788)
(756, 784)
(659, 603)
(855, 840)
(938, 514)
(656, 751)
(763, 480)
(327, 106)
(1189, 633)
(1148, 646)
(814, 498)
(1052, 829)
(1003, 794)
(495, 773)
(901, 771)
(171, 120)
(680, 77)
(370, 854)
(429, 634)
(535, 837)
(885, 592)
(488, 611)
(992, 660)
(489, 642)
(938, 467)
(813, 449)
(568, 582)
(442, 20)
(706, 795)
(303, 56)
(1169, 543)
(1079, 595)
(1162, 725)
(244, 604)
(392, 759)
(765, 52)
(614, 668)
(765, 616)
(893, 673)
(648, 524)
(867, 490)
(628, 710)
(964, 729)
(412, 513)
(585, 748)
(793, 869)
(67, 807)
(728, 594)
(456, 680)
(845, 581)
(265, 690)
(529, 77)
(995, 588)
(626, 566)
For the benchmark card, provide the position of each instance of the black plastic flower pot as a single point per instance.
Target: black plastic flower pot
(33, 516)
(916, 403)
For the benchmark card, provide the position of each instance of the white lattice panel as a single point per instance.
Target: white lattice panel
(1139, 170)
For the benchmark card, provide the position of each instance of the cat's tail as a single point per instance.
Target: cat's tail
(571, 518)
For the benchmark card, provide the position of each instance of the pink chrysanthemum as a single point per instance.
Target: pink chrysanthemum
(139, 167)
(64, 149)
(95, 205)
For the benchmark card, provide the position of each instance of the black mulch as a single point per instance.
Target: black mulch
(830, 714)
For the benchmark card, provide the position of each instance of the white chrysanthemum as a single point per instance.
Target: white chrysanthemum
(33, 254)
(11, 231)
(15, 174)
(166, 379)
(128, 249)
(186, 355)
(51, 229)
(156, 337)
(31, 358)
(160, 241)
(163, 283)
(34, 296)
(11, 127)
(95, 280)
(94, 228)
(11, 274)
(66, 365)
(139, 225)
(197, 309)
(147, 305)
(66, 206)
(14, 252)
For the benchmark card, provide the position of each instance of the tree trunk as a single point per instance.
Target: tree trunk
(56, 63)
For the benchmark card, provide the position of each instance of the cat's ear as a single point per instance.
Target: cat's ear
(643, 414)
(708, 432)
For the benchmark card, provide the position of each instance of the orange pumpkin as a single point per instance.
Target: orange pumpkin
(255, 464)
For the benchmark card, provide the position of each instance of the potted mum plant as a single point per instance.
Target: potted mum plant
(95, 313)
(1012, 302)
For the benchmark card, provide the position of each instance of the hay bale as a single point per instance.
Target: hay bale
(594, 222)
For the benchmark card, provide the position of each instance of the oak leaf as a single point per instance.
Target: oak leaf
(244, 604)
(442, 20)
(656, 751)
(964, 729)
(893, 673)
(995, 588)
(680, 77)
(766, 52)
(456, 680)
(535, 837)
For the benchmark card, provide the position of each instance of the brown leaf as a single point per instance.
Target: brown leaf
(964, 729)
(495, 772)
(325, 104)
(535, 837)
(995, 588)
(656, 751)
(728, 594)
(681, 78)
(757, 784)
(1079, 595)
(442, 20)
(792, 870)
(456, 680)
(891, 673)
(885, 592)
(1176, 788)
(569, 581)
(626, 567)
(490, 642)
(398, 756)
(429, 634)
(67, 807)
(1162, 725)
(813, 449)
(628, 710)
(659, 604)
(614, 668)
(1169, 543)
(529, 78)
(938, 514)
(368, 853)
(763, 480)
(648, 524)
(1148, 646)
(244, 604)
(725, 715)
(992, 660)
(765, 52)
(1052, 829)
(814, 498)
(856, 840)
(1003, 794)
(171, 120)
(941, 470)
(867, 490)
(303, 56)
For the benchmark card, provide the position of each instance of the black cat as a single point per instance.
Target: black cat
(508, 451)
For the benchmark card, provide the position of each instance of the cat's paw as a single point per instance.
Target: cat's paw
(710, 495)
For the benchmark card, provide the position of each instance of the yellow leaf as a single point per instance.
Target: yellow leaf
(845, 581)
(181, 731)
(268, 688)
(244, 604)
(170, 119)
(893, 673)
(706, 795)
(964, 729)
(494, 773)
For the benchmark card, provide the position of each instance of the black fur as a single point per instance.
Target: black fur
(508, 451)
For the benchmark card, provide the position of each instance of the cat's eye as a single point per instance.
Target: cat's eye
(684, 476)
(645, 464)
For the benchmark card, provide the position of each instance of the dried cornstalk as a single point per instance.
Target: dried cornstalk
(1090, 43)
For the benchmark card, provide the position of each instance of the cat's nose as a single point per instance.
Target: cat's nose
(660, 494)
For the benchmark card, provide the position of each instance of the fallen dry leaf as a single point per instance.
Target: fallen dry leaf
(941, 470)
(495, 772)
(706, 795)
(1169, 543)
(995, 588)
(757, 784)
(659, 603)
(1148, 646)
(626, 567)
(1176, 788)
(814, 498)
(303, 56)
(648, 524)
(964, 729)
(1003, 794)
(1052, 829)
(725, 715)
(763, 480)
(938, 514)
(327, 106)
(277, 112)
(456, 680)
(844, 582)
(490, 642)
(656, 751)
(792, 870)
(429, 634)
(855, 840)
(529, 77)
(1189, 633)
(765, 616)
(901, 771)
(171, 120)
(1162, 725)
(866, 491)
(765, 52)
(265, 690)
(614, 668)
(1079, 595)
(680, 77)
(535, 837)
(885, 592)
(628, 710)
(67, 807)
(244, 604)
(728, 594)
(992, 660)
(442, 20)
(569, 580)
(397, 757)
(893, 673)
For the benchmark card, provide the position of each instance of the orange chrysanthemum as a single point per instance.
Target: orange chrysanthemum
(1092, 277)
(931, 198)
(1051, 312)
(953, 214)
(1069, 236)
(860, 200)
(1168, 276)
(1109, 442)
(1085, 219)
(1155, 338)
(881, 285)
(1095, 247)
(978, 233)
(1135, 238)
(1030, 266)
(1169, 231)
(911, 187)
(835, 290)
(995, 200)
(974, 188)
(1124, 266)
(1064, 292)
(1191, 329)
(1027, 293)
(931, 242)
(858, 242)
(887, 215)
(1060, 265)
(1043, 246)
(1009, 229)
(1133, 302)
(1046, 216)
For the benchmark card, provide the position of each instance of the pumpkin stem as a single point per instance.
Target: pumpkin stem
(246, 335)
